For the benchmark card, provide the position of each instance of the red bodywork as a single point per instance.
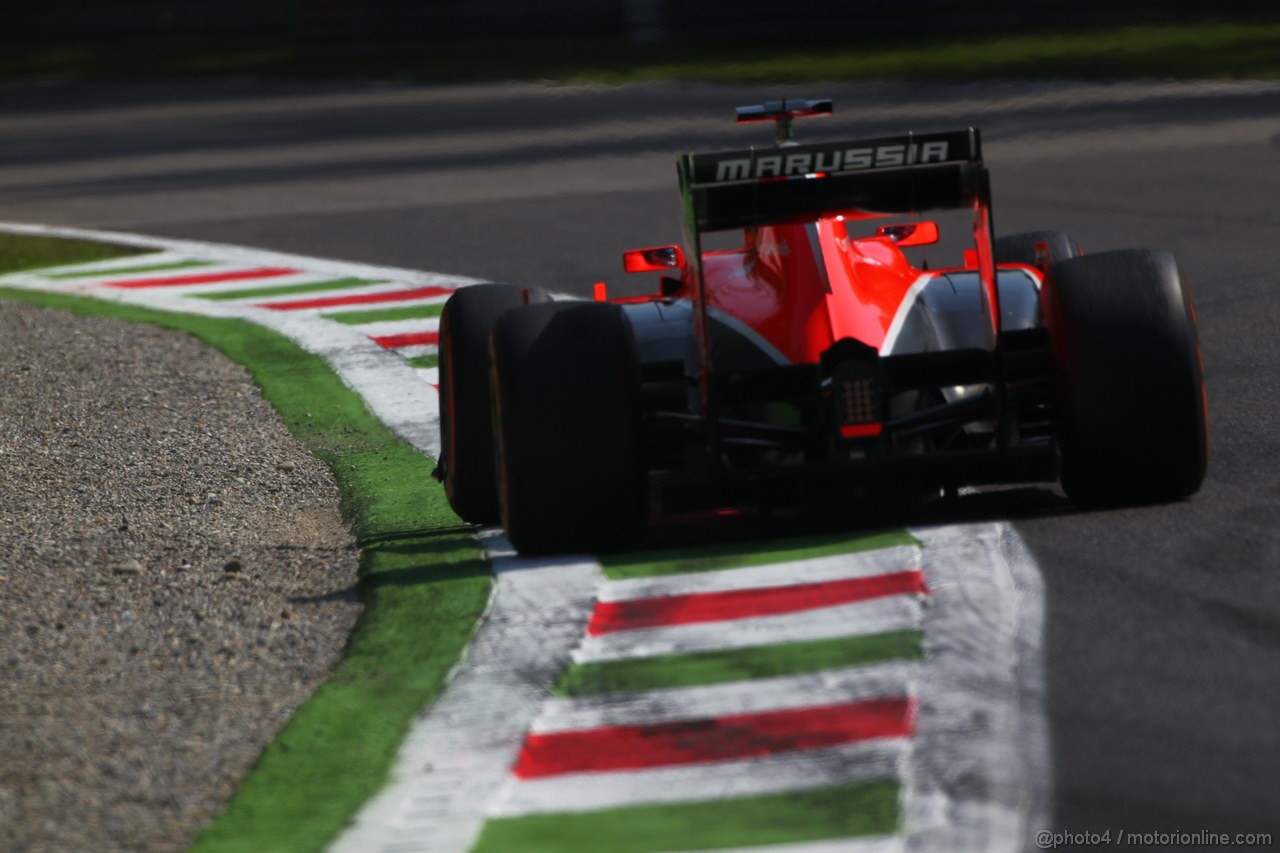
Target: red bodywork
(805, 286)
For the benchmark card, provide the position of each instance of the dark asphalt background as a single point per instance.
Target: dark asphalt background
(1163, 632)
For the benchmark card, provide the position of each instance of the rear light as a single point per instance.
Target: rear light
(857, 401)
(861, 430)
(856, 391)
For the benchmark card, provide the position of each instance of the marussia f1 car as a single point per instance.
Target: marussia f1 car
(817, 359)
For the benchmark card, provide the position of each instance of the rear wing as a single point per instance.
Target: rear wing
(796, 183)
(803, 183)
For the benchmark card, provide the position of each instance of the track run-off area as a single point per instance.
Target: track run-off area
(852, 690)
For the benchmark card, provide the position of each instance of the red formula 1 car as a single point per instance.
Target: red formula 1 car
(838, 351)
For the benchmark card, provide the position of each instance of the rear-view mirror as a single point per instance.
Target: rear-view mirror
(910, 233)
(654, 259)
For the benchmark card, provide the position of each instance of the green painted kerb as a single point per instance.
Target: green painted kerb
(741, 555)
(287, 289)
(843, 811)
(409, 312)
(718, 667)
(132, 270)
(424, 361)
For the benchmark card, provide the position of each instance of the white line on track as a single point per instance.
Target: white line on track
(981, 707)
(418, 350)
(797, 770)
(789, 573)
(399, 327)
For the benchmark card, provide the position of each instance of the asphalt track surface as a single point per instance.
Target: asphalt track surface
(1163, 623)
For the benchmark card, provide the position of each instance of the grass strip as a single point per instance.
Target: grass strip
(424, 361)
(423, 583)
(28, 253)
(719, 667)
(408, 312)
(172, 265)
(836, 812)
(743, 554)
(288, 289)
(1191, 49)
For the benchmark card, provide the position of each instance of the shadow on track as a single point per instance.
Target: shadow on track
(994, 504)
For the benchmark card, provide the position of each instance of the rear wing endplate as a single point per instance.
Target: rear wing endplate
(898, 174)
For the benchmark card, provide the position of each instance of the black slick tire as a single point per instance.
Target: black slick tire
(466, 430)
(567, 411)
(1128, 376)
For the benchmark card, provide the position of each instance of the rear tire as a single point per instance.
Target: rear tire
(1021, 248)
(1130, 391)
(466, 430)
(567, 414)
